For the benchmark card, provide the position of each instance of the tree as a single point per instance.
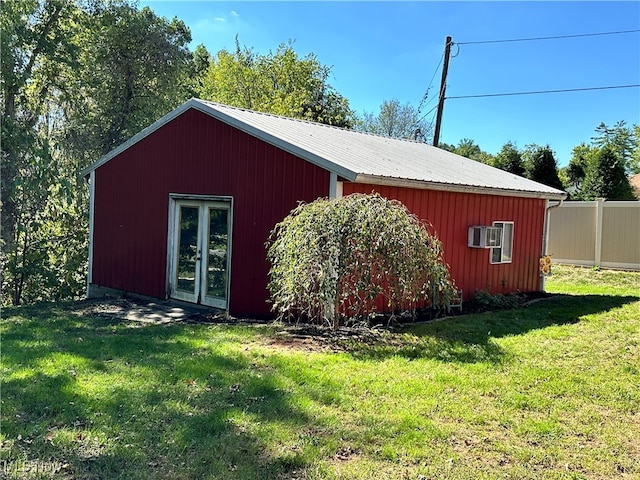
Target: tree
(136, 70)
(541, 166)
(447, 146)
(396, 121)
(77, 79)
(510, 160)
(196, 71)
(575, 172)
(591, 173)
(201, 60)
(38, 40)
(621, 141)
(470, 149)
(29, 32)
(337, 257)
(579, 164)
(280, 83)
(467, 148)
(635, 158)
(606, 178)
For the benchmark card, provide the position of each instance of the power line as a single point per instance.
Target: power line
(422, 118)
(426, 94)
(426, 104)
(549, 38)
(449, 42)
(543, 91)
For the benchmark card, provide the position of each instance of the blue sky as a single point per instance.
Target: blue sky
(391, 50)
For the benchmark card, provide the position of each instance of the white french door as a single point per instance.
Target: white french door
(200, 261)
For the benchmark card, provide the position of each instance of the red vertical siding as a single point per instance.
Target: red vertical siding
(195, 154)
(450, 215)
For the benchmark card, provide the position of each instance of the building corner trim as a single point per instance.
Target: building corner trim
(92, 199)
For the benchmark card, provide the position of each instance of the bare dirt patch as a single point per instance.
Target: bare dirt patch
(303, 337)
(316, 338)
(300, 336)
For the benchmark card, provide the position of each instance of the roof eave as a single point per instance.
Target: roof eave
(139, 136)
(209, 110)
(277, 142)
(458, 188)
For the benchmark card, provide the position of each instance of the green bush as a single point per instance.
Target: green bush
(334, 259)
(498, 301)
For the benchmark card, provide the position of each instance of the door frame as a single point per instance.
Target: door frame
(174, 199)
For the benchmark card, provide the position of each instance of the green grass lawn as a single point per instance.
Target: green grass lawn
(550, 391)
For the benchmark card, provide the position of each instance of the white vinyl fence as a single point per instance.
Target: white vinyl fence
(606, 234)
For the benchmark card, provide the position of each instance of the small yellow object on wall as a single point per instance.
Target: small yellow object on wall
(545, 265)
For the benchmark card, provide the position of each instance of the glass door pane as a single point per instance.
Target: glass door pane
(217, 256)
(201, 252)
(187, 262)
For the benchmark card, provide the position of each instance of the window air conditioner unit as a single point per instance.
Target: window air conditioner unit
(481, 236)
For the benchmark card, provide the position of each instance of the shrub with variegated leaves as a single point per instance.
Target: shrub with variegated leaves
(340, 259)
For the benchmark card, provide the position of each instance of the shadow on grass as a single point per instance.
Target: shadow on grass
(97, 398)
(470, 338)
(93, 398)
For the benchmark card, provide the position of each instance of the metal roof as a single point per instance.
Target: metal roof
(362, 157)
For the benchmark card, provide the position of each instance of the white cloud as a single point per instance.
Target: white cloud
(214, 28)
(224, 18)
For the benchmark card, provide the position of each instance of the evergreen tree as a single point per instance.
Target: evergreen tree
(620, 139)
(510, 160)
(583, 156)
(606, 178)
(542, 167)
(634, 164)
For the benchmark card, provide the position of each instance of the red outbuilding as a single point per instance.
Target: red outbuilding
(183, 209)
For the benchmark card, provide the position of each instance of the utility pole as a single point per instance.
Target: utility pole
(443, 88)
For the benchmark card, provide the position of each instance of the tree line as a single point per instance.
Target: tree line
(598, 169)
(80, 77)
